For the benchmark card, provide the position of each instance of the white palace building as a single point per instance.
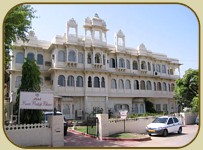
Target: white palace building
(85, 73)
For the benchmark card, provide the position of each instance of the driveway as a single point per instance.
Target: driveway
(172, 140)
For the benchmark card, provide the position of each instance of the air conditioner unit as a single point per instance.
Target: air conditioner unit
(156, 73)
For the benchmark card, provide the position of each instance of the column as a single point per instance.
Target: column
(106, 104)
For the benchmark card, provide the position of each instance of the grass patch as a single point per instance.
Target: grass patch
(81, 129)
(126, 135)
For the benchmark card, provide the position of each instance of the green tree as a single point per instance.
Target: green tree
(16, 26)
(149, 107)
(195, 104)
(30, 82)
(186, 88)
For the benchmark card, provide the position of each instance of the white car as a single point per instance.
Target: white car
(164, 125)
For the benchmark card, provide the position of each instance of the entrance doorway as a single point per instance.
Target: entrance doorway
(68, 110)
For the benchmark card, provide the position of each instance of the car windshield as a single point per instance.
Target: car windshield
(160, 120)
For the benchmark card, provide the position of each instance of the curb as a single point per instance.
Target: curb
(111, 138)
(127, 139)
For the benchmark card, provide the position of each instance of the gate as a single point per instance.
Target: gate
(92, 126)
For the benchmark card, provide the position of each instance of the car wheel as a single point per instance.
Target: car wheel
(165, 133)
(180, 130)
(149, 134)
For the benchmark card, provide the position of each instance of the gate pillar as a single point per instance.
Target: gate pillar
(57, 130)
(103, 125)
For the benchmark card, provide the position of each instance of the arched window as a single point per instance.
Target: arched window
(127, 64)
(142, 85)
(40, 59)
(103, 82)
(89, 58)
(20, 57)
(104, 60)
(172, 86)
(143, 65)
(97, 58)
(135, 65)
(96, 82)
(80, 58)
(120, 84)
(149, 85)
(121, 63)
(31, 56)
(164, 86)
(18, 81)
(61, 56)
(158, 68)
(112, 63)
(70, 81)
(159, 86)
(89, 81)
(136, 85)
(61, 80)
(163, 68)
(169, 87)
(154, 86)
(113, 84)
(149, 66)
(127, 84)
(79, 81)
(72, 56)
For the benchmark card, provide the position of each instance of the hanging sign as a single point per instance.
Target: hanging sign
(36, 100)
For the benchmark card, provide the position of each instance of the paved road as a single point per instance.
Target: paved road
(172, 140)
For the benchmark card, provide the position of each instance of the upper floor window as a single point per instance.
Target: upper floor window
(149, 85)
(40, 59)
(121, 63)
(89, 81)
(159, 86)
(80, 58)
(61, 80)
(127, 64)
(143, 65)
(163, 68)
(112, 63)
(127, 84)
(18, 81)
(169, 87)
(113, 84)
(61, 56)
(172, 86)
(135, 65)
(154, 86)
(104, 60)
(164, 86)
(96, 82)
(97, 58)
(79, 81)
(72, 56)
(31, 56)
(103, 82)
(136, 85)
(158, 68)
(70, 81)
(149, 66)
(142, 85)
(89, 58)
(20, 57)
(120, 84)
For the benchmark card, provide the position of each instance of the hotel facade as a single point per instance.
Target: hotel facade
(87, 74)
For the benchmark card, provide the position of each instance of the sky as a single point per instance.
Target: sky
(170, 29)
